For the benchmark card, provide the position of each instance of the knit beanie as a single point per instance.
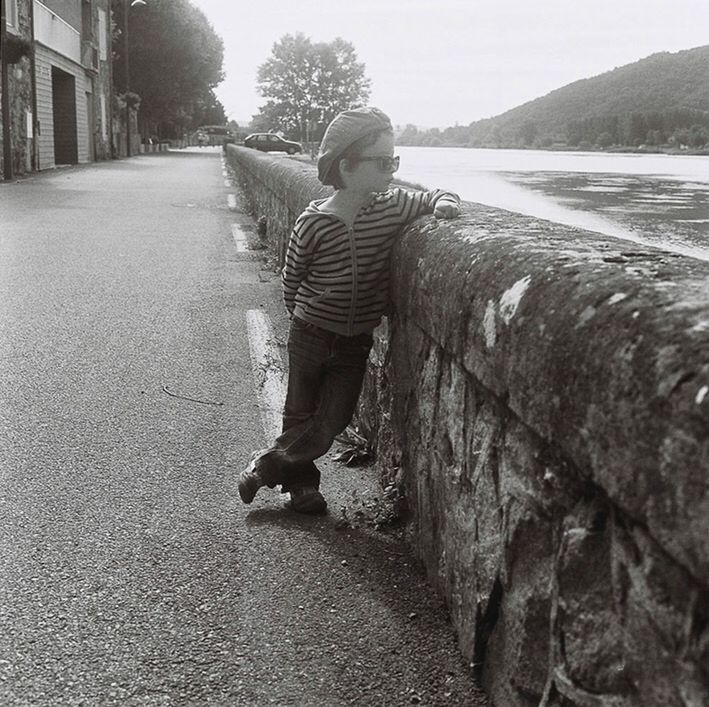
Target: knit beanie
(345, 129)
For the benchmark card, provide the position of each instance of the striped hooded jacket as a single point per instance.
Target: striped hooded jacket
(337, 277)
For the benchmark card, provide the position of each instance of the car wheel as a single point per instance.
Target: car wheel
(291, 150)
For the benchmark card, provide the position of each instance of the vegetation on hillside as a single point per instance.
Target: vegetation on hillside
(662, 100)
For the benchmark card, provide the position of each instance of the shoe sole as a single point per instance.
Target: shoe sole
(313, 503)
(249, 483)
(246, 487)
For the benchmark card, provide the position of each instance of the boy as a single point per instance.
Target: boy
(335, 286)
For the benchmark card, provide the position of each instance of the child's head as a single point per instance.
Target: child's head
(346, 138)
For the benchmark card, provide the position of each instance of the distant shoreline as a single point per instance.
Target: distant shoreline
(611, 150)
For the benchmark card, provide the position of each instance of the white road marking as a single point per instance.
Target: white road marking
(268, 371)
(231, 201)
(242, 244)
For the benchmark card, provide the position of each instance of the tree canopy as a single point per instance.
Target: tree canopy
(175, 61)
(308, 84)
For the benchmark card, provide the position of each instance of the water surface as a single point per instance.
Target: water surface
(660, 200)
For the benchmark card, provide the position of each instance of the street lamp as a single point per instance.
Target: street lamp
(126, 60)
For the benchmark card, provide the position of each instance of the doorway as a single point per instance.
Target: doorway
(66, 149)
(90, 134)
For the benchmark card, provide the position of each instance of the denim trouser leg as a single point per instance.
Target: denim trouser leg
(324, 381)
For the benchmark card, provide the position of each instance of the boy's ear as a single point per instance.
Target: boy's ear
(345, 165)
(344, 168)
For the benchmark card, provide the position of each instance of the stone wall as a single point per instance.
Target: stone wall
(541, 399)
(277, 189)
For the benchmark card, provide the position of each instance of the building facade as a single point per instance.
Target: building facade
(61, 92)
(17, 95)
(73, 81)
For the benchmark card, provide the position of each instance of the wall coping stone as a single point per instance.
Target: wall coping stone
(598, 345)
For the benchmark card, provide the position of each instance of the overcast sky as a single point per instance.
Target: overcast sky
(436, 63)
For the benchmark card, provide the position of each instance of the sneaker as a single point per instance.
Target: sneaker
(250, 479)
(307, 499)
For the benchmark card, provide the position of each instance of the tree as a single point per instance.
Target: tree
(309, 84)
(409, 135)
(605, 139)
(698, 136)
(636, 129)
(654, 137)
(527, 132)
(208, 110)
(175, 60)
(574, 132)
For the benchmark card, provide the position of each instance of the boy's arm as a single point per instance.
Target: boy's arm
(447, 206)
(295, 269)
(440, 203)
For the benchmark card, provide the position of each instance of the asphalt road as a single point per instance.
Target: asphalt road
(130, 572)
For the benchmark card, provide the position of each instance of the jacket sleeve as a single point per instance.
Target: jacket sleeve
(297, 260)
(413, 204)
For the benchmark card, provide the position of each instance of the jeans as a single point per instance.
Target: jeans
(324, 382)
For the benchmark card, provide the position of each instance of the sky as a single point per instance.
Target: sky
(438, 63)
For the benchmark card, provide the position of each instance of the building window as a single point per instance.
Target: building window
(102, 35)
(104, 121)
(11, 16)
(87, 25)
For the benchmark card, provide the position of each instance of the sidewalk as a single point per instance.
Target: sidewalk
(377, 620)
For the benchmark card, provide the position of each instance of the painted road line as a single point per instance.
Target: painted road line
(240, 239)
(231, 201)
(269, 373)
(242, 244)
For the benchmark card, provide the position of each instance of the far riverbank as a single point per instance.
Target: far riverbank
(616, 149)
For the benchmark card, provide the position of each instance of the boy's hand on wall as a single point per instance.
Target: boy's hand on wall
(447, 209)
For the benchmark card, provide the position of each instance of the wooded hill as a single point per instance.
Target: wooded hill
(660, 100)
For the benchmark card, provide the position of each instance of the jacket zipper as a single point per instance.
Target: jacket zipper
(353, 255)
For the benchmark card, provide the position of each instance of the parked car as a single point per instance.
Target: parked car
(269, 142)
(214, 135)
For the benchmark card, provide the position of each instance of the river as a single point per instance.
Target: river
(659, 200)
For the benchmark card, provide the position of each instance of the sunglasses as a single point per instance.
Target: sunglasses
(384, 164)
